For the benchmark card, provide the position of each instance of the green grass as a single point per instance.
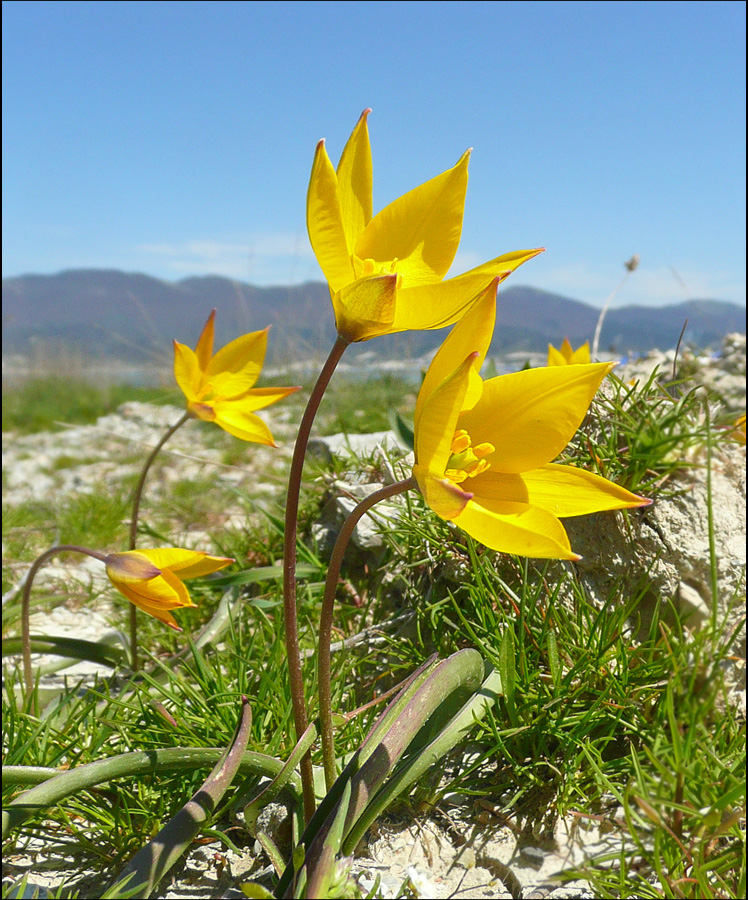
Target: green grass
(617, 724)
(40, 404)
(361, 406)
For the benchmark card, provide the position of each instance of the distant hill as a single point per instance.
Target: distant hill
(135, 317)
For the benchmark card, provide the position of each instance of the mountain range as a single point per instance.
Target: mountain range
(134, 317)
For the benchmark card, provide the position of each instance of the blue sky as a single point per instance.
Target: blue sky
(176, 138)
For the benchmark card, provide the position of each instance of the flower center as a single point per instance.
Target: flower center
(467, 461)
(369, 267)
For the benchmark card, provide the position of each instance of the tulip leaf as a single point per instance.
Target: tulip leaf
(73, 648)
(402, 429)
(70, 781)
(153, 861)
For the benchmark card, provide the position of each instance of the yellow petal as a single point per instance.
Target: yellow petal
(581, 356)
(157, 595)
(561, 490)
(556, 357)
(242, 424)
(501, 265)
(187, 371)
(259, 398)
(237, 366)
(421, 229)
(154, 609)
(436, 426)
(472, 334)
(167, 591)
(516, 528)
(202, 411)
(189, 563)
(566, 491)
(443, 496)
(443, 303)
(530, 416)
(324, 219)
(204, 349)
(355, 183)
(204, 566)
(131, 566)
(365, 308)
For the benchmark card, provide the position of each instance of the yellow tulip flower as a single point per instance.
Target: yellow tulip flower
(152, 579)
(483, 450)
(738, 429)
(220, 388)
(386, 272)
(567, 356)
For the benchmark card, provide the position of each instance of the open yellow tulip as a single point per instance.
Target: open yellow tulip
(220, 388)
(152, 579)
(483, 450)
(567, 356)
(386, 272)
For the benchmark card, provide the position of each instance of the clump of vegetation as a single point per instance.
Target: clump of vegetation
(623, 732)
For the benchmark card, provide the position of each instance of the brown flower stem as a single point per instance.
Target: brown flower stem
(325, 621)
(28, 675)
(136, 498)
(295, 679)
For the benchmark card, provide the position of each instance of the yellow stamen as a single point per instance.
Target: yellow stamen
(461, 441)
(467, 461)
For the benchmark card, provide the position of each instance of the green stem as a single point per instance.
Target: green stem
(137, 496)
(301, 720)
(325, 623)
(28, 675)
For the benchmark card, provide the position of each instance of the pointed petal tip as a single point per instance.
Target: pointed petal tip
(365, 113)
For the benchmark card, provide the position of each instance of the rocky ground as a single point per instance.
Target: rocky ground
(469, 851)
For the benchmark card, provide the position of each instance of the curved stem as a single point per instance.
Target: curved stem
(28, 675)
(137, 495)
(325, 621)
(291, 629)
(604, 312)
